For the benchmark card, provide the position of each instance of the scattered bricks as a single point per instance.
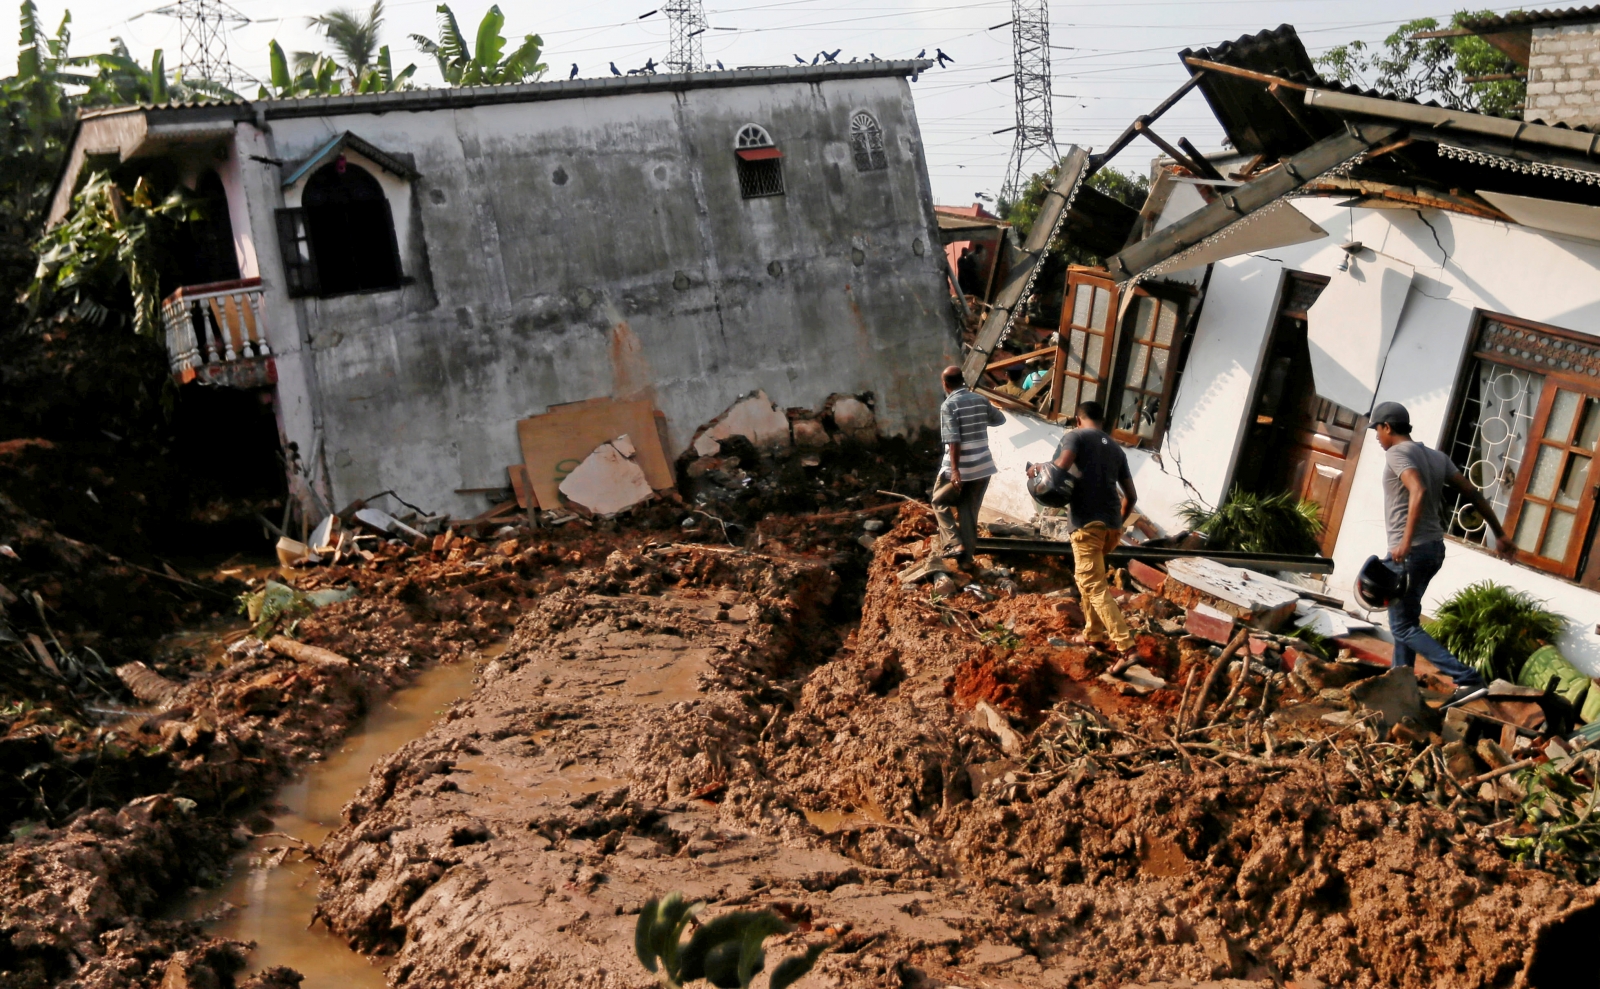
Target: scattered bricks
(1147, 575)
(809, 434)
(1367, 647)
(507, 548)
(1208, 623)
(1291, 656)
(1259, 645)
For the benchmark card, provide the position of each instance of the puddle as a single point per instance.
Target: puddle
(272, 906)
(833, 821)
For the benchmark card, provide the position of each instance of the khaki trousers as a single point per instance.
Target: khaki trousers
(1102, 618)
(962, 529)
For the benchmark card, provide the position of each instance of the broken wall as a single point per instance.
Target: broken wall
(584, 247)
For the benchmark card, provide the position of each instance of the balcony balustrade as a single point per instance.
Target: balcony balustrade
(217, 332)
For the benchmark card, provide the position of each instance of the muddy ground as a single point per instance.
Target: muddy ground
(680, 718)
(775, 723)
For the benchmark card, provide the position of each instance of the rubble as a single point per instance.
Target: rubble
(608, 481)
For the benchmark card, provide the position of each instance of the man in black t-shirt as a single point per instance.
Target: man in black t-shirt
(1095, 519)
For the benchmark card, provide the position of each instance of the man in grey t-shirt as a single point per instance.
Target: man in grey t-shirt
(1414, 480)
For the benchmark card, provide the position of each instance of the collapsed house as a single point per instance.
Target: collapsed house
(403, 277)
(1349, 249)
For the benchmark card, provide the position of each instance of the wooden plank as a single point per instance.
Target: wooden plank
(520, 487)
(555, 443)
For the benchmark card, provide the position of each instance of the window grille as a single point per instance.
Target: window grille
(866, 143)
(759, 162)
(1525, 434)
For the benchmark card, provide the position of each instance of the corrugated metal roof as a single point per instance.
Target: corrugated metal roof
(530, 92)
(1532, 18)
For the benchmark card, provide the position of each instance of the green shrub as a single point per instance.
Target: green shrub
(726, 952)
(1493, 628)
(1252, 523)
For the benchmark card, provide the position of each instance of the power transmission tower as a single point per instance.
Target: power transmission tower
(688, 19)
(203, 39)
(1035, 127)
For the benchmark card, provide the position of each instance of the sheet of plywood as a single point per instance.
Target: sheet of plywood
(555, 443)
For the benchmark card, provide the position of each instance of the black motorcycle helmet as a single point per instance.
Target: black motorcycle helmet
(1051, 486)
(1379, 584)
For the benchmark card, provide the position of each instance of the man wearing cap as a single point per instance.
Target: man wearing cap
(1414, 479)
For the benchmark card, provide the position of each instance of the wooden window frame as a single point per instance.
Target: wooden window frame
(299, 258)
(1566, 361)
(1127, 341)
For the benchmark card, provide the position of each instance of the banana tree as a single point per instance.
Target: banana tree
(381, 77)
(110, 244)
(319, 76)
(461, 65)
(120, 79)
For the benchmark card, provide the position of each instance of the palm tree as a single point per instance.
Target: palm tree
(461, 66)
(353, 36)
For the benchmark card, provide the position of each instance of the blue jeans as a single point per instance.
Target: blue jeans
(1405, 617)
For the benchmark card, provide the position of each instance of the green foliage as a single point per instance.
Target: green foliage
(1431, 68)
(1494, 628)
(316, 75)
(1126, 187)
(1558, 828)
(353, 35)
(1252, 523)
(367, 66)
(461, 65)
(107, 249)
(727, 952)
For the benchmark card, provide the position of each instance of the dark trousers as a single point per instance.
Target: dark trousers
(960, 521)
(1405, 617)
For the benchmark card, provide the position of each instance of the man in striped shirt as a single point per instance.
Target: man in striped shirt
(964, 421)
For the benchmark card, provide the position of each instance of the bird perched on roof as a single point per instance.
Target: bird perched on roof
(614, 70)
(923, 53)
(874, 56)
(938, 53)
(574, 74)
(799, 60)
(832, 56)
(649, 66)
(719, 66)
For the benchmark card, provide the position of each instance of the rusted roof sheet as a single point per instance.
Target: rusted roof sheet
(1532, 18)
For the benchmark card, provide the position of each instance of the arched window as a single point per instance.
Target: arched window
(759, 161)
(866, 143)
(342, 237)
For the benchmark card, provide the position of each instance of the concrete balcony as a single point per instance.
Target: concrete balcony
(216, 333)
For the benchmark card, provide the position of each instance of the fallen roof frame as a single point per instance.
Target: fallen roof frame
(1237, 205)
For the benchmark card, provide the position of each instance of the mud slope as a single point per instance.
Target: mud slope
(667, 722)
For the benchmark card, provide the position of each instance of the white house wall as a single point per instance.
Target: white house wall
(598, 246)
(1463, 264)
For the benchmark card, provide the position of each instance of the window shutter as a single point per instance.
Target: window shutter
(299, 261)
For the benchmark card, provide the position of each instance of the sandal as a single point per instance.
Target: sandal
(1126, 659)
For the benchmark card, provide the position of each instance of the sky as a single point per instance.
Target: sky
(1110, 62)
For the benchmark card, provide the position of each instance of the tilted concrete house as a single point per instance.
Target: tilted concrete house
(408, 274)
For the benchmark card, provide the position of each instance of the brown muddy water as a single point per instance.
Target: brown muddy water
(272, 891)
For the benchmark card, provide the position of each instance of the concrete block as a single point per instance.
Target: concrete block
(1208, 623)
(755, 418)
(854, 418)
(1249, 598)
(1568, 86)
(1573, 58)
(1552, 46)
(809, 434)
(1580, 72)
(1540, 61)
(1540, 88)
(1147, 575)
(1394, 696)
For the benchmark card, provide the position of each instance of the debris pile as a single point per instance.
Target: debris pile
(957, 792)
